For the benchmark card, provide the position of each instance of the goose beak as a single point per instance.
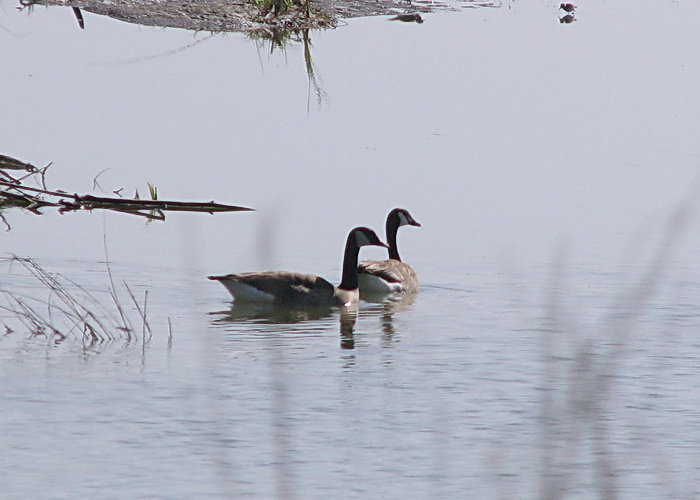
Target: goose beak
(381, 244)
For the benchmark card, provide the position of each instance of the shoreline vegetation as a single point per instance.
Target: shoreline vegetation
(71, 311)
(277, 22)
(252, 16)
(256, 17)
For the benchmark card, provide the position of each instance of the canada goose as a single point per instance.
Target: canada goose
(568, 7)
(386, 276)
(297, 289)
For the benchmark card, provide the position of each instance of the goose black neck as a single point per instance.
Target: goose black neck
(352, 251)
(392, 227)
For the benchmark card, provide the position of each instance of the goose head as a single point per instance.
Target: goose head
(364, 236)
(404, 218)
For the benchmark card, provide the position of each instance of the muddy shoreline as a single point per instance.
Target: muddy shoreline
(234, 15)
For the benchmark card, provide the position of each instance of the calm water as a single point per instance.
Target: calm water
(552, 351)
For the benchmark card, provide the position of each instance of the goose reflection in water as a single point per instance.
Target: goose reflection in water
(348, 319)
(381, 305)
(270, 313)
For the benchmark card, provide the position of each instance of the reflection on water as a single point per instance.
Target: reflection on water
(269, 313)
(387, 306)
(70, 310)
(279, 319)
(410, 17)
(79, 17)
(348, 319)
(156, 56)
(567, 13)
(271, 37)
(279, 38)
(383, 307)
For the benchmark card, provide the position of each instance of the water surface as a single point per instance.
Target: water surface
(545, 162)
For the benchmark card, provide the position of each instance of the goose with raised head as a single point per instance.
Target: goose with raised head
(392, 275)
(298, 289)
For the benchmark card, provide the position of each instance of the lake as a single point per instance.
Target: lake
(550, 353)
